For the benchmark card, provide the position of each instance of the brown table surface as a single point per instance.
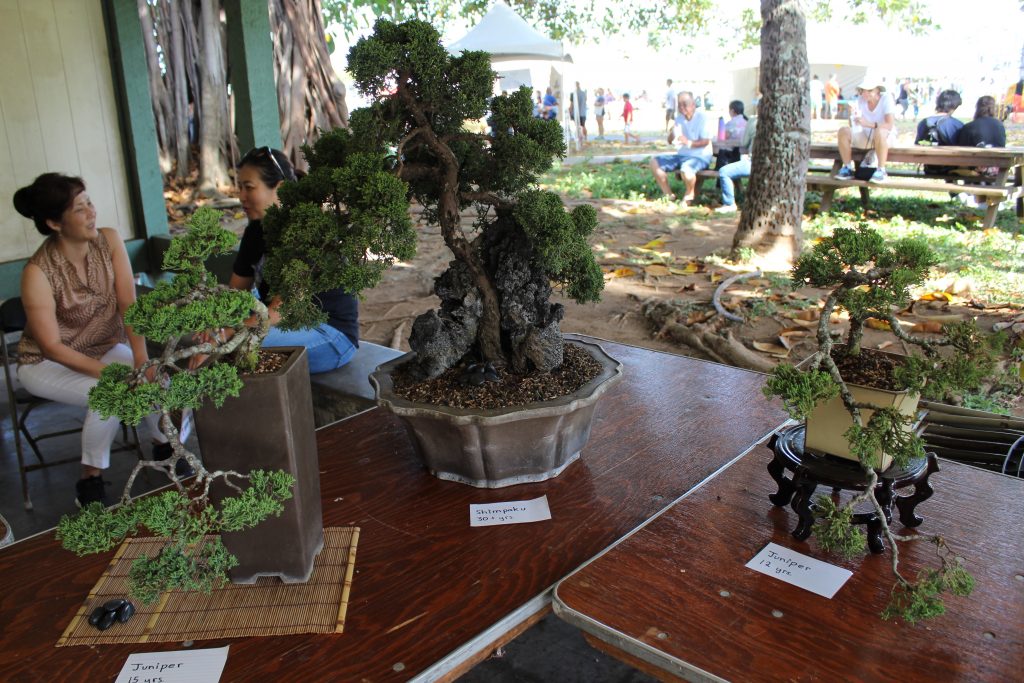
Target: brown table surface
(656, 598)
(426, 584)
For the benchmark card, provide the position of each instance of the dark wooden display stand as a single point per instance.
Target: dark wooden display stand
(811, 470)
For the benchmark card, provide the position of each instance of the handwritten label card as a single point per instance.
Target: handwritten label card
(180, 666)
(800, 570)
(514, 512)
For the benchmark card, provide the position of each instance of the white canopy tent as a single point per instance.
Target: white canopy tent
(519, 53)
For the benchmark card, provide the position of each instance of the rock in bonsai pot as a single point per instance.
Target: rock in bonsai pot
(869, 278)
(495, 309)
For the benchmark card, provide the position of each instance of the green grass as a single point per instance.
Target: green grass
(993, 260)
(610, 181)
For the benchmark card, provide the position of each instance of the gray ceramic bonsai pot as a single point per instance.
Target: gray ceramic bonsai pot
(500, 447)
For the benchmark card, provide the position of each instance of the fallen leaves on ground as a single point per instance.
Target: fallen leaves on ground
(623, 272)
(771, 348)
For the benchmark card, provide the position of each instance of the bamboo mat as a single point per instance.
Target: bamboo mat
(264, 608)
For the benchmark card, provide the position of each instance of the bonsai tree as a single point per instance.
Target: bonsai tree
(413, 142)
(192, 302)
(869, 278)
(333, 232)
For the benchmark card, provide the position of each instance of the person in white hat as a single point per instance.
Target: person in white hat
(872, 126)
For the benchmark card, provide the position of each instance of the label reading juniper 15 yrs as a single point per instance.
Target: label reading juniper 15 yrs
(513, 512)
(800, 570)
(177, 666)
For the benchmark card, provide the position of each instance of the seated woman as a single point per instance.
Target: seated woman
(872, 126)
(985, 130)
(735, 128)
(76, 288)
(941, 128)
(332, 344)
(728, 174)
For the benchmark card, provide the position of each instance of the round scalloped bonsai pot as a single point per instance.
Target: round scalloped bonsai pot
(500, 447)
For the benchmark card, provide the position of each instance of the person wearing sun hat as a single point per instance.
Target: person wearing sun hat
(872, 126)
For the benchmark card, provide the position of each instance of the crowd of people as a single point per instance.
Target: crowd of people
(873, 128)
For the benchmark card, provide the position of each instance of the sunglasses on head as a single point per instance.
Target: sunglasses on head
(273, 159)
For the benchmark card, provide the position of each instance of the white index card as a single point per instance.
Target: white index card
(178, 666)
(513, 512)
(800, 570)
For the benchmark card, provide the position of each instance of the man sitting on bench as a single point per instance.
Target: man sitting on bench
(872, 126)
(693, 149)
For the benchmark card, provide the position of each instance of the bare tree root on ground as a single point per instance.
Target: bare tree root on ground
(713, 340)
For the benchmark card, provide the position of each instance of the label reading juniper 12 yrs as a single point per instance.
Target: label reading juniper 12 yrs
(513, 512)
(800, 570)
(178, 666)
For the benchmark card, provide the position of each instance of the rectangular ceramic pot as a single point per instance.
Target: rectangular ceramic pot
(829, 421)
(269, 426)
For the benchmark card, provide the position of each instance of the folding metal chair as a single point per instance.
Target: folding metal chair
(22, 403)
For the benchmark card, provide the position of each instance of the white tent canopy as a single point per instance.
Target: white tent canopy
(524, 53)
(506, 35)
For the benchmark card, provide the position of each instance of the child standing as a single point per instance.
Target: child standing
(627, 117)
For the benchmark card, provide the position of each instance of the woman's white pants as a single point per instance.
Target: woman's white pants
(59, 383)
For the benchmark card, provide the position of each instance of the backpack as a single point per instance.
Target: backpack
(932, 135)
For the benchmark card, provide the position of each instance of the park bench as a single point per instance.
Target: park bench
(346, 391)
(1006, 185)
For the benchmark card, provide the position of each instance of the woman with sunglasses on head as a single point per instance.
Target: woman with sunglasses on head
(332, 344)
(75, 289)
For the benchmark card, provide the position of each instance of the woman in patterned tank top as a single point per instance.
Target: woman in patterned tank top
(76, 288)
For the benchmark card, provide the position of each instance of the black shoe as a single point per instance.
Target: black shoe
(90, 490)
(164, 451)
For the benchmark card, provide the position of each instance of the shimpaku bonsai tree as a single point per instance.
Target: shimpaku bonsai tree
(332, 234)
(412, 141)
(869, 277)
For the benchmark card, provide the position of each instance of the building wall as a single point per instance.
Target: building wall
(57, 112)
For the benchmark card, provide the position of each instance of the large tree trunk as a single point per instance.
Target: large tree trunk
(162, 108)
(775, 197)
(187, 35)
(213, 170)
(176, 27)
(310, 95)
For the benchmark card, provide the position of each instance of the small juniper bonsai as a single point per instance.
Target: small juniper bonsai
(192, 302)
(413, 142)
(870, 278)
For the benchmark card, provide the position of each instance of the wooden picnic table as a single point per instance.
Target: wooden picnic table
(676, 599)
(431, 596)
(1007, 184)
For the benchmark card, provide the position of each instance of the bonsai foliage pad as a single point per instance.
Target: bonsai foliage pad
(265, 608)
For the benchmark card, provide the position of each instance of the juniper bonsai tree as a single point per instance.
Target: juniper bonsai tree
(192, 302)
(495, 294)
(339, 226)
(870, 278)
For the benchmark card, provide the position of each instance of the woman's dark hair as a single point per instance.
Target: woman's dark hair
(47, 198)
(948, 101)
(737, 106)
(986, 106)
(272, 164)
